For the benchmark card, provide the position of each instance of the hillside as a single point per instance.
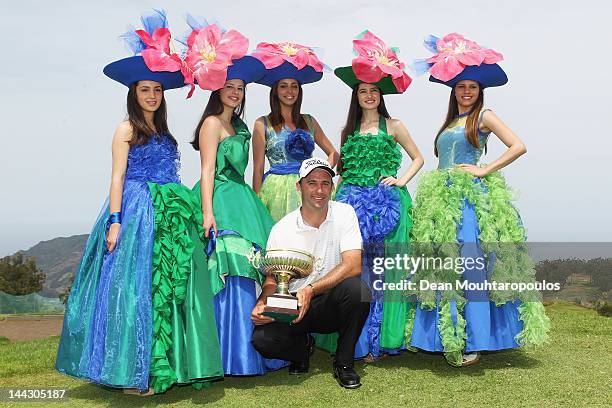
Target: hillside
(58, 258)
(588, 281)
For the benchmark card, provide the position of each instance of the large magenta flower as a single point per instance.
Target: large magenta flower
(210, 51)
(375, 61)
(455, 52)
(157, 55)
(273, 55)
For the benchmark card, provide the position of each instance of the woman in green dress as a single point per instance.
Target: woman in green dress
(233, 219)
(371, 156)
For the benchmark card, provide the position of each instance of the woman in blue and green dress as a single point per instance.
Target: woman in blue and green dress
(464, 211)
(137, 318)
(233, 219)
(371, 156)
(286, 136)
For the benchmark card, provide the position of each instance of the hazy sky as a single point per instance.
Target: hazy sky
(59, 111)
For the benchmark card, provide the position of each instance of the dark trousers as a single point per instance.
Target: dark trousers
(343, 309)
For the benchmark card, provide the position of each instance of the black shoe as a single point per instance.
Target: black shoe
(346, 376)
(301, 367)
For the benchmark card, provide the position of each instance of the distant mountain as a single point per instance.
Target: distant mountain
(58, 258)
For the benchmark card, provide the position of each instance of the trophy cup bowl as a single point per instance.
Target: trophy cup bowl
(283, 265)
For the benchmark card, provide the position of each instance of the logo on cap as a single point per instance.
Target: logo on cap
(315, 163)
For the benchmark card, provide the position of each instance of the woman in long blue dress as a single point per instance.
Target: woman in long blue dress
(464, 212)
(136, 317)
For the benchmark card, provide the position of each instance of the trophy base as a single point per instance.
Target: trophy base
(281, 308)
(281, 315)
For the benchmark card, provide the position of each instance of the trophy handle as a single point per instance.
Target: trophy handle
(318, 264)
(254, 257)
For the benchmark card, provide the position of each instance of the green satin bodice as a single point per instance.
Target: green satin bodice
(233, 154)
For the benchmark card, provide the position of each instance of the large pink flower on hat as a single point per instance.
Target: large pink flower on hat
(455, 52)
(210, 51)
(273, 55)
(157, 55)
(375, 61)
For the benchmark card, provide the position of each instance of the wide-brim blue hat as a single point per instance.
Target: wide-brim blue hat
(487, 76)
(287, 70)
(247, 68)
(133, 69)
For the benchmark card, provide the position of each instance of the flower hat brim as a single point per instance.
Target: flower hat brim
(487, 76)
(153, 60)
(375, 63)
(130, 70)
(347, 75)
(457, 58)
(287, 70)
(288, 60)
(249, 69)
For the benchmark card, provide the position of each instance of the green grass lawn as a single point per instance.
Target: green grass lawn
(574, 370)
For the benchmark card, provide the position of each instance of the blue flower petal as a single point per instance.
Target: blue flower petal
(377, 209)
(299, 144)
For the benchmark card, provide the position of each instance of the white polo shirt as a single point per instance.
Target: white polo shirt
(338, 233)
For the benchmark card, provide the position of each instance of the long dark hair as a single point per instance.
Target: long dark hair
(471, 124)
(275, 117)
(141, 131)
(215, 107)
(354, 117)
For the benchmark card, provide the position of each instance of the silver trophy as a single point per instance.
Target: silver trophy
(284, 265)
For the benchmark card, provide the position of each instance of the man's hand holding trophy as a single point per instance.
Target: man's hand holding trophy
(283, 265)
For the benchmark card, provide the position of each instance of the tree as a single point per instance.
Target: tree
(63, 297)
(601, 273)
(19, 275)
(557, 270)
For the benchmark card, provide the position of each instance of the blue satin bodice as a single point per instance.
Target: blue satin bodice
(276, 151)
(453, 146)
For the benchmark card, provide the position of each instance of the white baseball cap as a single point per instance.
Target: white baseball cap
(309, 165)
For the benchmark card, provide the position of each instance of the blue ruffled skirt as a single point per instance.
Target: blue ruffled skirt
(370, 338)
(381, 211)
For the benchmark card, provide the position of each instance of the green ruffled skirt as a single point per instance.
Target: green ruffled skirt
(141, 316)
(456, 214)
(185, 344)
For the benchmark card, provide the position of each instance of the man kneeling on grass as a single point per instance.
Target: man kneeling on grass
(332, 299)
